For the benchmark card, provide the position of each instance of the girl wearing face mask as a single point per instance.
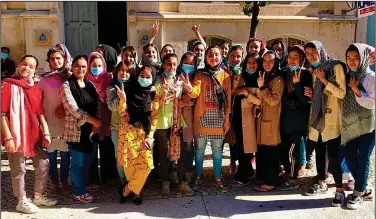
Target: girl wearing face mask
(60, 62)
(82, 121)
(138, 120)
(324, 130)
(170, 123)
(129, 54)
(234, 59)
(23, 136)
(187, 69)
(123, 72)
(243, 121)
(358, 128)
(211, 113)
(295, 115)
(150, 56)
(271, 86)
(98, 75)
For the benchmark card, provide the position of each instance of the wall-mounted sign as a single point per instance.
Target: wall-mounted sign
(366, 9)
(43, 38)
(143, 36)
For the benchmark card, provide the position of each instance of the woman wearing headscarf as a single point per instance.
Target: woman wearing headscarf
(256, 45)
(211, 113)
(358, 119)
(97, 74)
(110, 56)
(60, 62)
(281, 48)
(295, 114)
(243, 121)
(324, 130)
(24, 133)
(139, 112)
(271, 85)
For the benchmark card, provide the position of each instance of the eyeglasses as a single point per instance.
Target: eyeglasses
(78, 67)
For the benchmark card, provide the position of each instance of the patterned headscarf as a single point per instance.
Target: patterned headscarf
(65, 72)
(320, 99)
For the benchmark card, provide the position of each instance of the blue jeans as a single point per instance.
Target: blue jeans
(357, 155)
(217, 154)
(190, 152)
(114, 138)
(303, 160)
(64, 167)
(80, 169)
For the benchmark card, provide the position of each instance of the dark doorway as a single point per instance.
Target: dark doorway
(112, 23)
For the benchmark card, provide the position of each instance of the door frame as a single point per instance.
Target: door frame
(61, 21)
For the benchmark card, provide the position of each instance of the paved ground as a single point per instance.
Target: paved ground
(239, 202)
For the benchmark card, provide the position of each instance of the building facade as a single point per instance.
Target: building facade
(31, 27)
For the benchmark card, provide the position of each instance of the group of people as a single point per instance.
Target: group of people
(158, 114)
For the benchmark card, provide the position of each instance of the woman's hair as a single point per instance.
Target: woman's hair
(95, 57)
(130, 49)
(118, 67)
(53, 50)
(30, 56)
(236, 47)
(254, 55)
(196, 44)
(224, 43)
(75, 60)
(168, 56)
(144, 48)
(173, 49)
(189, 54)
(262, 45)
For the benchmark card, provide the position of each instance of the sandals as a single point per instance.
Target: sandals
(222, 187)
(368, 196)
(264, 188)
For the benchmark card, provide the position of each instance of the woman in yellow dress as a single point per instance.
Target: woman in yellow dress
(138, 111)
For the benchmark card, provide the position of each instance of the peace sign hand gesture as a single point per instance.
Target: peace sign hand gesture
(154, 28)
(296, 77)
(186, 82)
(120, 92)
(261, 80)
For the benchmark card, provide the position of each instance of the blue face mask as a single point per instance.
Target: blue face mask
(353, 71)
(249, 71)
(4, 55)
(168, 74)
(145, 82)
(296, 67)
(121, 80)
(316, 64)
(188, 68)
(96, 71)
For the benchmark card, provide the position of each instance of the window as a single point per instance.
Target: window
(289, 40)
(210, 41)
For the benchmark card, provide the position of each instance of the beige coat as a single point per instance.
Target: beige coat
(333, 114)
(268, 132)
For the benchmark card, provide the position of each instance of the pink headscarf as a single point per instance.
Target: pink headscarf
(102, 81)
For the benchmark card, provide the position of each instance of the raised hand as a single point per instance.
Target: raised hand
(154, 28)
(186, 82)
(296, 77)
(120, 92)
(196, 28)
(261, 80)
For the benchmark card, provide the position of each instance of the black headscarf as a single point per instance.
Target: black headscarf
(110, 56)
(275, 71)
(139, 101)
(283, 58)
(251, 80)
(218, 88)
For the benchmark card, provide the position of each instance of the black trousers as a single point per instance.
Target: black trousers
(267, 164)
(162, 137)
(290, 153)
(107, 162)
(332, 147)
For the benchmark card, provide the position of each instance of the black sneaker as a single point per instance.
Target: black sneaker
(354, 201)
(339, 199)
(286, 186)
(317, 189)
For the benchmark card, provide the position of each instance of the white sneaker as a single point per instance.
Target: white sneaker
(45, 201)
(27, 207)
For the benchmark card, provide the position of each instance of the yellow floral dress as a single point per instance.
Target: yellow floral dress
(131, 151)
